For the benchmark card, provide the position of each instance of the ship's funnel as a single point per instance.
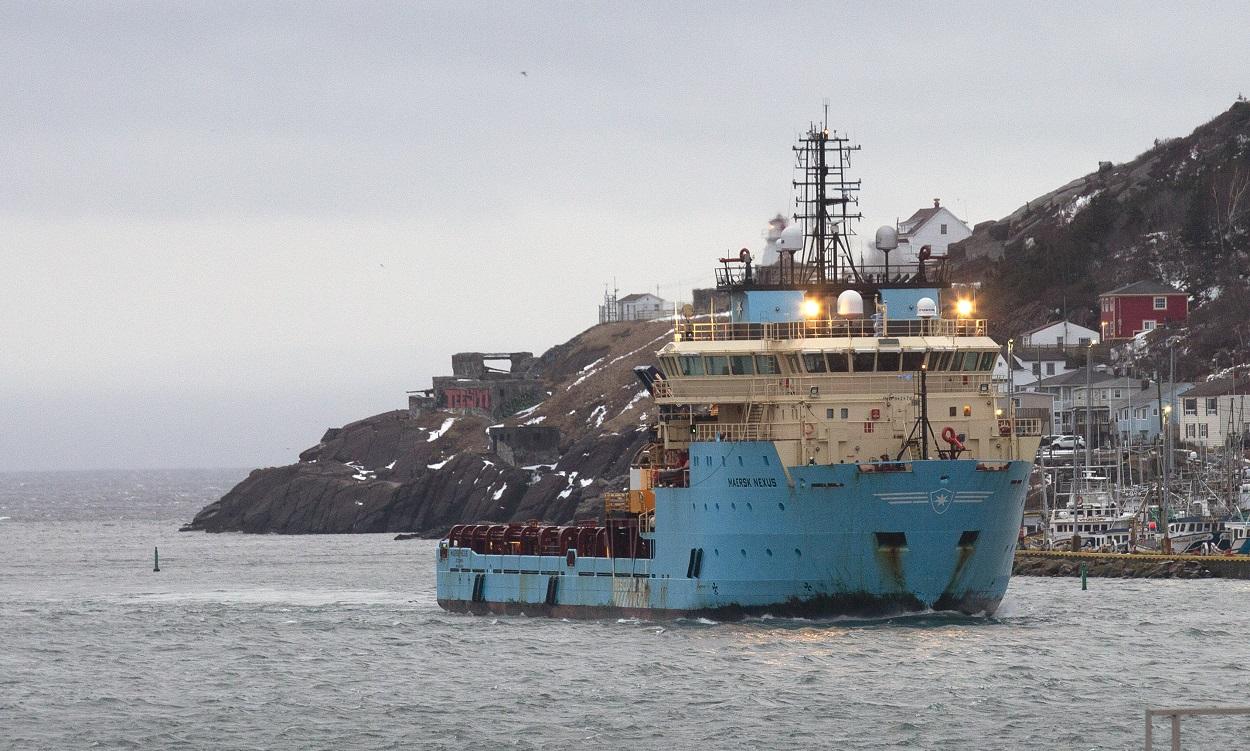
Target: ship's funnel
(850, 304)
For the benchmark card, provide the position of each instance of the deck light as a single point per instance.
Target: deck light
(963, 307)
(811, 307)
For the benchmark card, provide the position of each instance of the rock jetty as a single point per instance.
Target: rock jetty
(1038, 563)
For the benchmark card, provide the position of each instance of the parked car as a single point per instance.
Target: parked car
(1067, 443)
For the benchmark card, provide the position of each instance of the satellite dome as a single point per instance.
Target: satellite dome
(791, 238)
(926, 308)
(850, 304)
(887, 238)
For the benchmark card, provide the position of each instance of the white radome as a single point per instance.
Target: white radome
(887, 238)
(926, 308)
(850, 304)
(791, 238)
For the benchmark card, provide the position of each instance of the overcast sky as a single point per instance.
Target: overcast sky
(225, 227)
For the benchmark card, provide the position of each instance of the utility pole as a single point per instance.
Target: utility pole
(1011, 395)
(1170, 448)
(1089, 420)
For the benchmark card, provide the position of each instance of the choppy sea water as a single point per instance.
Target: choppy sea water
(272, 642)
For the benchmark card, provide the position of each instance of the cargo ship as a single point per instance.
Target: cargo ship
(830, 445)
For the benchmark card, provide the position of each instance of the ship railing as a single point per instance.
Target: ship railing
(735, 431)
(1175, 716)
(710, 331)
(930, 273)
(770, 388)
(1028, 426)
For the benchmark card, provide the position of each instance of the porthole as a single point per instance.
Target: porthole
(769, 551)
(744, 552)
(798, 552)
(733, 507)
(750, 507)
(781, 506)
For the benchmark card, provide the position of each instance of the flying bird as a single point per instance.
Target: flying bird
(527, 75)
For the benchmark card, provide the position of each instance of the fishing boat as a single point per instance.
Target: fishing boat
(832, 446)
(1092, 514)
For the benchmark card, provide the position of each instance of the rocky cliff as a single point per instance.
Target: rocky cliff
(400, 472)
(1179, 213)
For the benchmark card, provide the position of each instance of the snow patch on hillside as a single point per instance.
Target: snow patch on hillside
(436, 434)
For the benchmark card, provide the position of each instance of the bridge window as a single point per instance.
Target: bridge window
(970, 361)
(717, 365)
(838, 362)
(987, 361)
(887, 362)
(691, 365)
(814, 362)
(913, 361)
(864, 362)
(940, 361)
(766, 365)
(741, 365)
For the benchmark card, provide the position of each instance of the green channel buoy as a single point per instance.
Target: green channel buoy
(156, 559)
(1084, 586)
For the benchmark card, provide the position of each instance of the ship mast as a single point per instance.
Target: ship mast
(824, 201)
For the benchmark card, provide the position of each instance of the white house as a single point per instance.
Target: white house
(1043, 362)
(1060, 334)
(1020, 377)
(643, 307)
(937, 227)
(1212, 411)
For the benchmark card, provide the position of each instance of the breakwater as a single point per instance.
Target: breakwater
(1130, 566)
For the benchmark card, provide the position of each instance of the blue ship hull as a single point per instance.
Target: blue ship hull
(749, 537)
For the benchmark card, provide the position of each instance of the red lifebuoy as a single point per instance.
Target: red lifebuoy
(948, 435)
(744, 255)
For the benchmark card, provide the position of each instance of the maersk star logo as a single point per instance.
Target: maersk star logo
(940, 500)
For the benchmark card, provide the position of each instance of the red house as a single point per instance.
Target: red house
(1140, 306)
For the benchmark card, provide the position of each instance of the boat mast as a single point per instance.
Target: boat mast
(826, 194)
